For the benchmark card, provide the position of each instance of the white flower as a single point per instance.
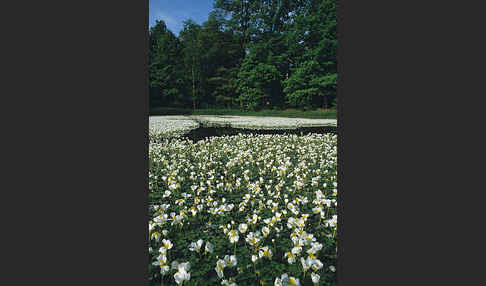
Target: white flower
(312, 253)
(185, 266)
(233, 236)
(327, 202)
(225, 229)
(156, 235)
(167, 244)
(276, 218)
(253, 219)
(332, 268)
(230, 260)
(265, 231)
(286, 280)
(243, 227)
(316, 246)
(316, 264)
(293, 281)
(309, 238)
(196, 246)
(317, 210)
(252, 239)
(162, 250)
(164, 269)
(161, 260)
(196, 177)
(182, 274)
(296, 250)
(315, 278)
(332, 222)
(228, 283)
(290, 222)
(265, 251)
(290, 257)
(220, 264)
(300, 222)
(209, 247)
(306, 263)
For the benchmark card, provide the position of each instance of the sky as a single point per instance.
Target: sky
(174, 12)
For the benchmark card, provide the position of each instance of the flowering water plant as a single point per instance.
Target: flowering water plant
(243, 210)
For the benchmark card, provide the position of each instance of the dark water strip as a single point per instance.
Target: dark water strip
(205, 132)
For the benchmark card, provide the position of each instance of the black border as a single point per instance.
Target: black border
(77, 80)
(340, 122)
(77, 115)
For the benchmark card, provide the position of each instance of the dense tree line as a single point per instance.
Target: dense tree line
(248, 54)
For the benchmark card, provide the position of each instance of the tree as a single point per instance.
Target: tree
(190, 38)
(165, 77)
(242, 17)
(257, 53)
(221, 57)
(313, 78)
(257, 79)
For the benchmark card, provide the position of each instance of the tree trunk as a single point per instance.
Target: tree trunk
(199, 84)
(193, 87)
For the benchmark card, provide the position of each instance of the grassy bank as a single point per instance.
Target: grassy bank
(295, 113)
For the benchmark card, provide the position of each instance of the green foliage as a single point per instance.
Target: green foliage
(169, 111)
(224, 87)
(165, 76)
(248, 55)
(324, 114)
(307, 83)
(301, 169)
(258, 78)
(313, 81)
(191, 43)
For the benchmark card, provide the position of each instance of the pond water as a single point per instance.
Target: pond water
(205, 132)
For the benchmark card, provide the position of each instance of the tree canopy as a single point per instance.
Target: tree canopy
(249, 54)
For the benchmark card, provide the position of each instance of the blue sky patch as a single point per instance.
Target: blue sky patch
(175, 12)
